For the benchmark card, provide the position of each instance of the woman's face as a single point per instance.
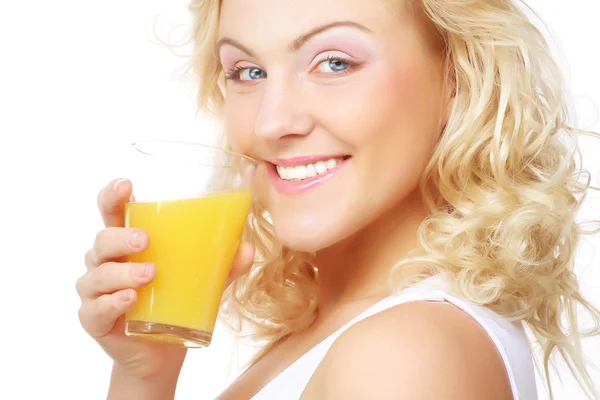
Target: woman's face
(342, 102)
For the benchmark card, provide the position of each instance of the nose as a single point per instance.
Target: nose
(282, 112)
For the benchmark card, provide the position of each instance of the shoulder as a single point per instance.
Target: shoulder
(420, 350)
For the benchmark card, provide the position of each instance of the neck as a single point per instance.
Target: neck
(358, 268)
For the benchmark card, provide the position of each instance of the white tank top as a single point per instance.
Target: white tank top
(509, 338)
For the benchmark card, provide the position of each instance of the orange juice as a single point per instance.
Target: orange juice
(192, 243)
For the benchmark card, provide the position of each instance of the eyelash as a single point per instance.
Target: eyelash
(331, 57)
(234, 73)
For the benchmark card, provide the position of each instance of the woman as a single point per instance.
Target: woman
(412, 160)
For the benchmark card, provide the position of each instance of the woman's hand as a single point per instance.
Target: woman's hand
(107, 290)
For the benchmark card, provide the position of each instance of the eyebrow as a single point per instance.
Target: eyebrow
(299, 41)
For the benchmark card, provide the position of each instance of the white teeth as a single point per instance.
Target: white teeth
(282, 172)
(306, 171)
(320, 167)
(300, 172)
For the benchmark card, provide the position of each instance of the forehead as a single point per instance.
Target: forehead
(262, 21)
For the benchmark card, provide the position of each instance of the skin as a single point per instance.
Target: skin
(302, 108)
(386, 110)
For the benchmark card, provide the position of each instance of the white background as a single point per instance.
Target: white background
(78, 81)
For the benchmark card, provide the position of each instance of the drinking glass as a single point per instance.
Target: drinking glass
(193, 201)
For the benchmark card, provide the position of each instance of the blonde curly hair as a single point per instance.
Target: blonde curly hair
(507, 189)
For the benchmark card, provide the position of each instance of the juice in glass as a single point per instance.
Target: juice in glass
(193, 242)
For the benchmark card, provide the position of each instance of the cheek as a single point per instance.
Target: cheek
(387, 119)
(403, 115)
(402, 130)
(387, 104)
(238, 123)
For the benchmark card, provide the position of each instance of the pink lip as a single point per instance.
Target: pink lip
(297, 187)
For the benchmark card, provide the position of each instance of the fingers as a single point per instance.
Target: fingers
(107, 293)
(111, 202)
(112, 277)
(113, 243)
(98, 317)
(242, 262)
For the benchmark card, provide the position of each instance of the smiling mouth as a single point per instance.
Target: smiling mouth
(301, 172)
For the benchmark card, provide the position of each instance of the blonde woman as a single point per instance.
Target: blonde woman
(416, 163)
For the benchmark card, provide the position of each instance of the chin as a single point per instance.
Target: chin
(300, 234)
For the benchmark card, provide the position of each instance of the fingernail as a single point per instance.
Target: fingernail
(119, 185)
(141, 271)
(135, 240)
(126, 295)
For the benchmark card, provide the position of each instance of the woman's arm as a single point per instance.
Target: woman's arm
(127, 387)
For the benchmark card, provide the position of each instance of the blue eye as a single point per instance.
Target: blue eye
(333, 64)
(246, 74)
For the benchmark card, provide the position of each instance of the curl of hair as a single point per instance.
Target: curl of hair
(506, 188)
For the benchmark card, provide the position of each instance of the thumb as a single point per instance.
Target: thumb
(242, 262)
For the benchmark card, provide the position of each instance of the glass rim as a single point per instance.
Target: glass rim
(134, 145)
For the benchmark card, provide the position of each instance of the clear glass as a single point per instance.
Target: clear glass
(193, 201)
